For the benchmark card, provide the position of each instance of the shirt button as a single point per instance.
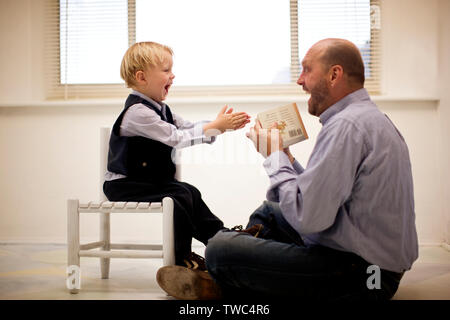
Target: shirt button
(144, 164)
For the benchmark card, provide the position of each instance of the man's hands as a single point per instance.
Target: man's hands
(266, 141)
(226, 120)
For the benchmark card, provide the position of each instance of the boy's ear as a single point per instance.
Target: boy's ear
(140, 76)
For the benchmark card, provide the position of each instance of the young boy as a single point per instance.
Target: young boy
(140, 166)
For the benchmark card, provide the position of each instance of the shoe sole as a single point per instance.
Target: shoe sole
(187, 284)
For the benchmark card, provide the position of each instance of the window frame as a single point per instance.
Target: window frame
(57, 90)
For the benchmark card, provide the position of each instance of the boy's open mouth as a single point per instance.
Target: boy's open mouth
(167, 87)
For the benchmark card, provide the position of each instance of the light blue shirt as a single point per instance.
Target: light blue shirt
(356, 192)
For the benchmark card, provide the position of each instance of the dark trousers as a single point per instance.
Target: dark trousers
(278, 264)
(192, 217)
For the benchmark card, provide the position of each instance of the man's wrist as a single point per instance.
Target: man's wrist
(290, 156)
(291, 159)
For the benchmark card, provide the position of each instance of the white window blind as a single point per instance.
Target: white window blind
(93, 37)
(86, 40)
(243, 46)
(355, 20)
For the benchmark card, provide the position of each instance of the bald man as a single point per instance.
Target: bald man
(343, 228)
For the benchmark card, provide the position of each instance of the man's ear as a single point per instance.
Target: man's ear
(140, 76)
(336, 74)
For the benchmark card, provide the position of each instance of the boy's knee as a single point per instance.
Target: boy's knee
(193, 191)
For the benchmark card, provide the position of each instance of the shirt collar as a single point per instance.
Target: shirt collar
(358, 95)
(159, 105)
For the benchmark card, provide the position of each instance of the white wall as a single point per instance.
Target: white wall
(444, 110)
(21, 54)
(50, 153)
(410, 47)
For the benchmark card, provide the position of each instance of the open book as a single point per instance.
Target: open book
(289, 123)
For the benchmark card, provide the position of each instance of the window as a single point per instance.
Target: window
(355, 20)
(218, 42)
(93, 38)
(232, 45)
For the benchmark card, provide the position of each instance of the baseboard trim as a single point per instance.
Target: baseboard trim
(195, 243)
(430, 244)
(53, 242)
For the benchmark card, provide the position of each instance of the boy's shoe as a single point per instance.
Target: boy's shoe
(195, 262)
(253, 230)
(187, 284)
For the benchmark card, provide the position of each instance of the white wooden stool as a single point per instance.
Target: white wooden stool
(105, 208)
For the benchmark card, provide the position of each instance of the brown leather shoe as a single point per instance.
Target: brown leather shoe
(253, 230)
(187, 284)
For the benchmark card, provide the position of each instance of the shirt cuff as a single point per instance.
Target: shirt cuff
(198, 128)
(279, 169)
(298, 167)
(275, 161)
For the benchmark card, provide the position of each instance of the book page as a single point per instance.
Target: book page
(289, 122)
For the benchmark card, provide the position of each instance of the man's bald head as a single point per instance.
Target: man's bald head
(344, 53)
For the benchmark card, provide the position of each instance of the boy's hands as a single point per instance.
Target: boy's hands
(227, 120)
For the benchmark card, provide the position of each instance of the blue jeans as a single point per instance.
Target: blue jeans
(278, 265)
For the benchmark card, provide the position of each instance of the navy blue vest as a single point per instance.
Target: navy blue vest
(140, 158)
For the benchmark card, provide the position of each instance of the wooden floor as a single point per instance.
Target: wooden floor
(36, 271)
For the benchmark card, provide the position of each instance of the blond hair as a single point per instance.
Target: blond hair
(139, 57)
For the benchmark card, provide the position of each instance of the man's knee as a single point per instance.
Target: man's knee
(220, 248)
(216, 244)
(267, 208)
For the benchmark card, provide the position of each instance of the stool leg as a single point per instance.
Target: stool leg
(105, 237)
(168, 235)
(73, 247)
